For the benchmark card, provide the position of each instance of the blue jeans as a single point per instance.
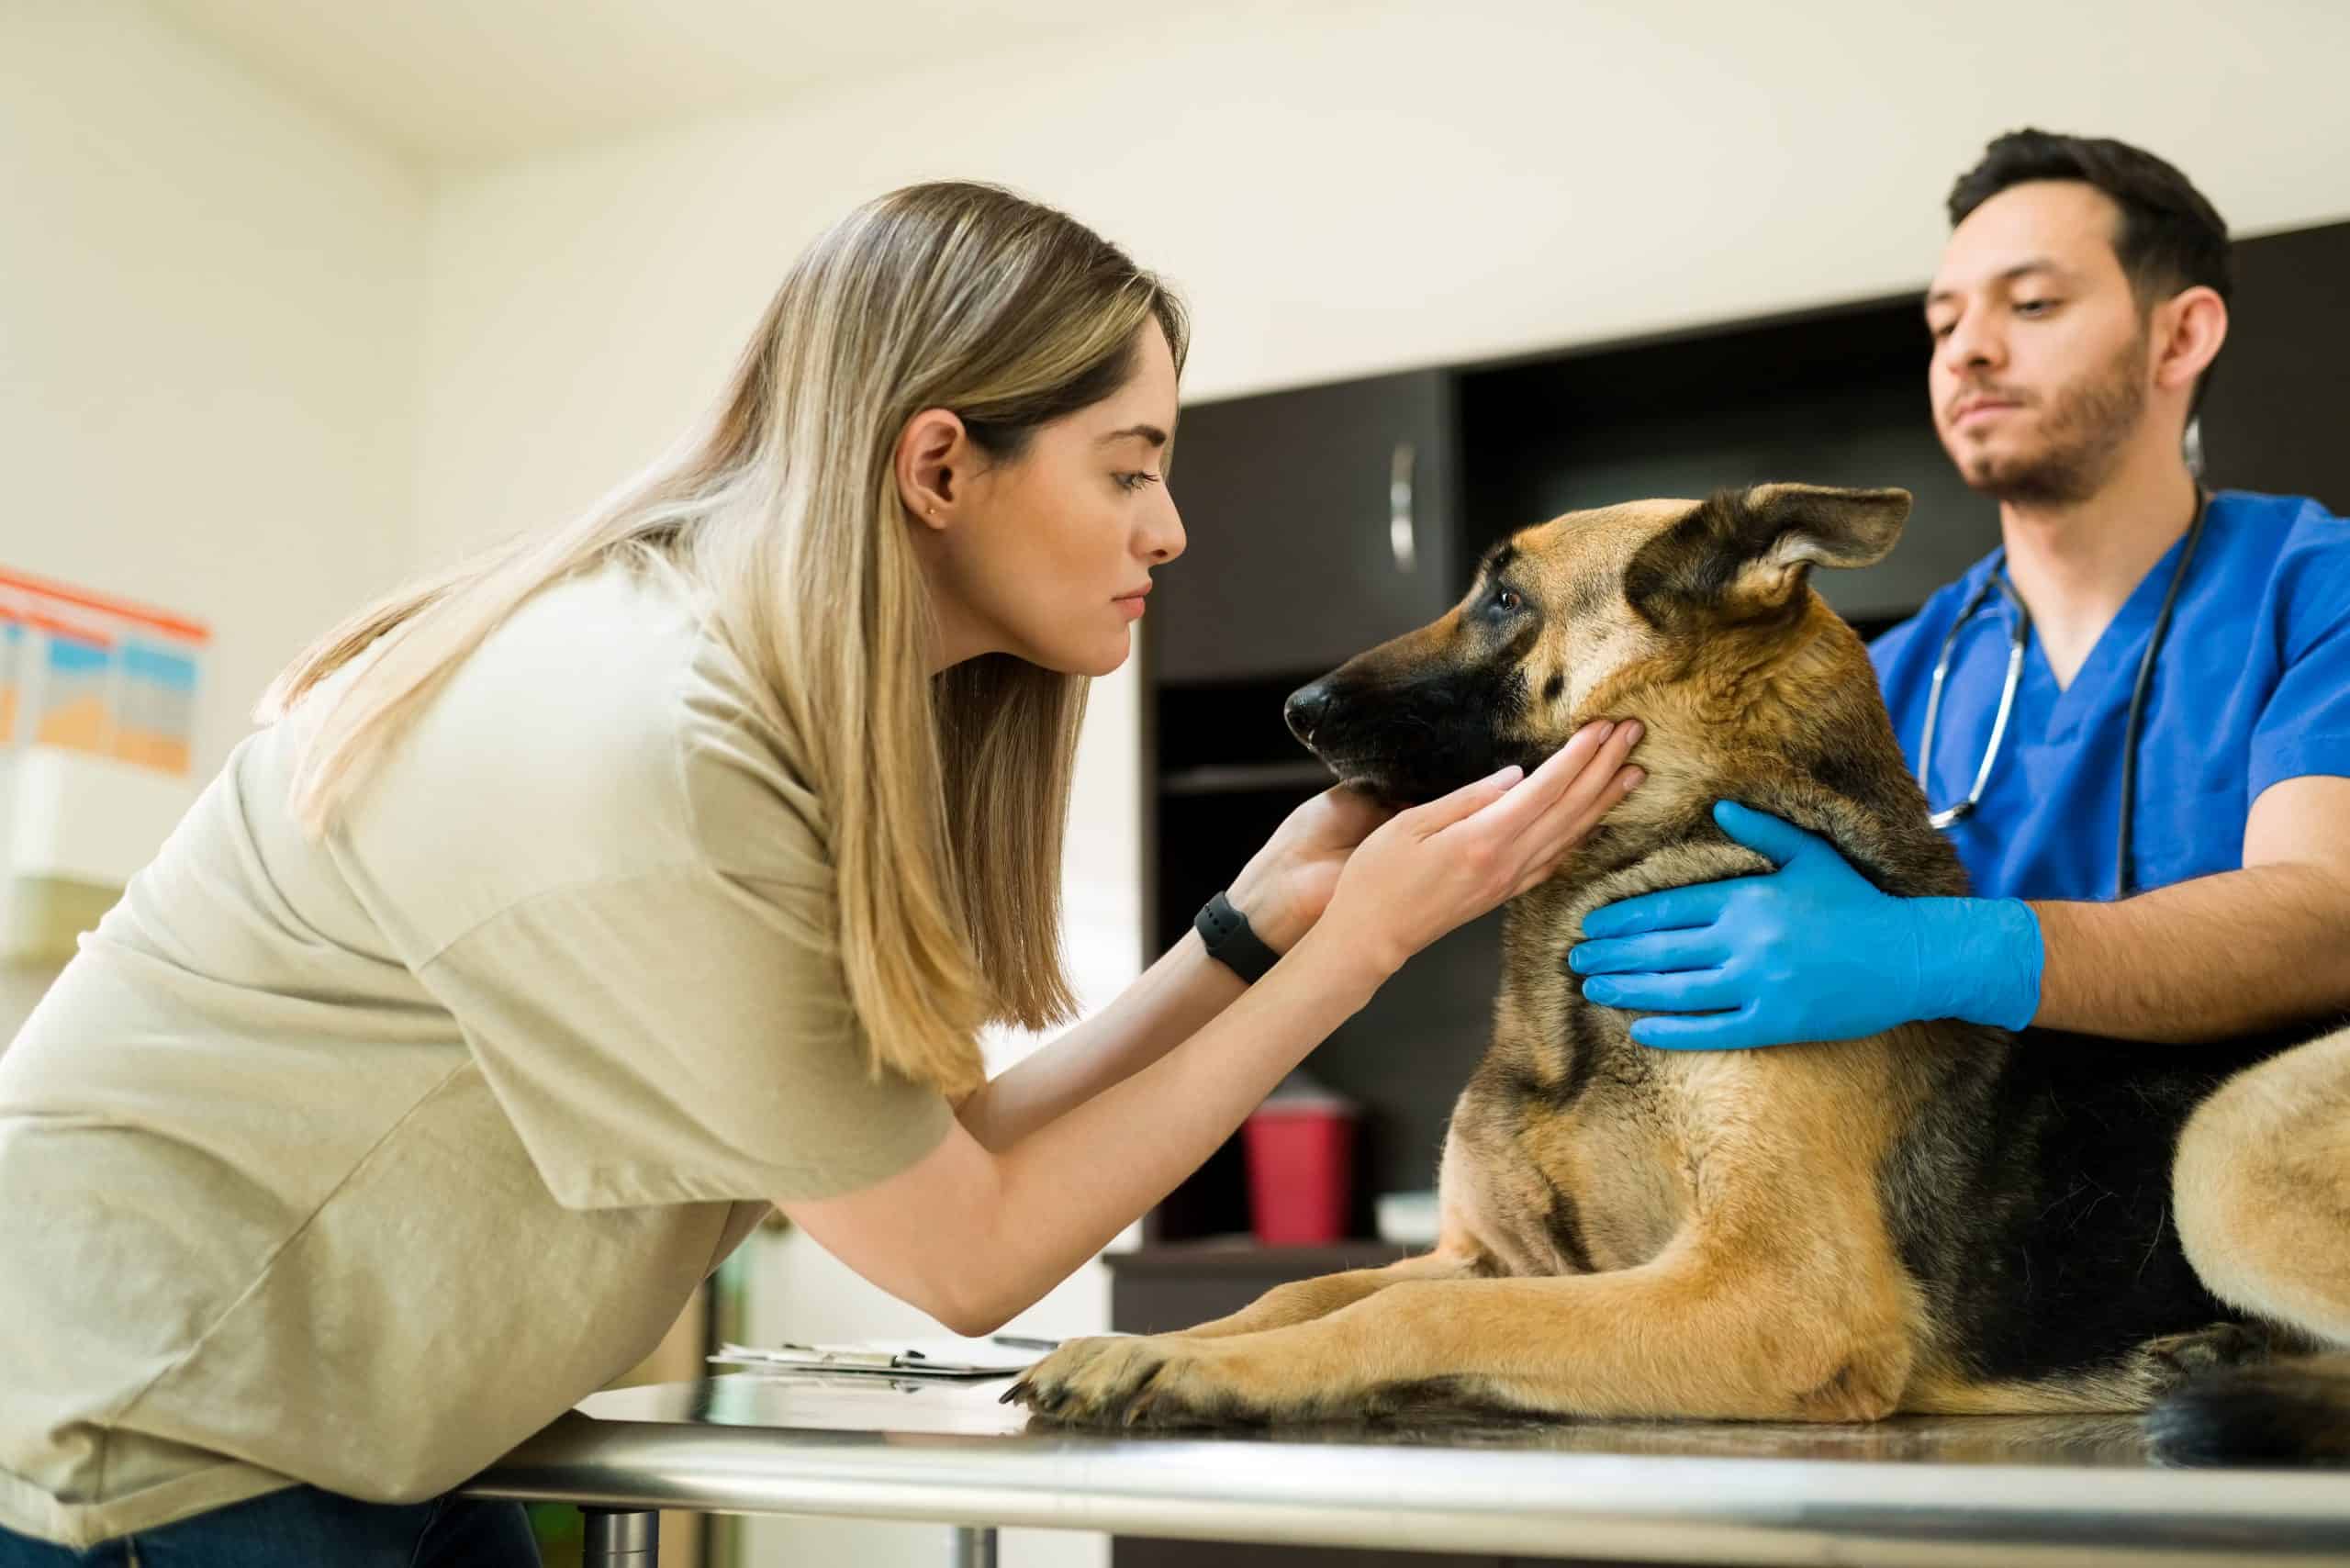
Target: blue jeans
(306, 1528)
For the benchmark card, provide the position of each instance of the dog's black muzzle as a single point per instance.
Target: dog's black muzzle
(1404, 741)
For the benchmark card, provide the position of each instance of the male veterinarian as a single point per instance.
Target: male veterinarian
(2129, 634)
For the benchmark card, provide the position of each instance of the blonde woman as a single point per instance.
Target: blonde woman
(575, 908)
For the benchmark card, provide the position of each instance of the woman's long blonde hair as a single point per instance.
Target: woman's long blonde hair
(947, 796)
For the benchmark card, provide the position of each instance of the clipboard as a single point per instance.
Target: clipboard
(998, 1356)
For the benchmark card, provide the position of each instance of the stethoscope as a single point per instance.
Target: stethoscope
(1950, 815)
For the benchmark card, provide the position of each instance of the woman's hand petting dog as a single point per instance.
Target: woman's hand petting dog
(1437, 866)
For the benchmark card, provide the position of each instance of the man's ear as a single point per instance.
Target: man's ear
(2189, 330)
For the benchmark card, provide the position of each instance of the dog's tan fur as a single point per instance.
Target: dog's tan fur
(1637, 1233)
(2264, 1186)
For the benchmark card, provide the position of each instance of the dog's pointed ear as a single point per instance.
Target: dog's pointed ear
(1748, 552)
(1813, 525)
(1778, 532)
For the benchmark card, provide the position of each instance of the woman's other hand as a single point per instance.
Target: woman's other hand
(1287, 884)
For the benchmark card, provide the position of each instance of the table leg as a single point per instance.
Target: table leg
(974, 1546)
(623, 1538)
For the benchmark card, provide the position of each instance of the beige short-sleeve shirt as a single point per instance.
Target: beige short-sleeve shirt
(357, 1162)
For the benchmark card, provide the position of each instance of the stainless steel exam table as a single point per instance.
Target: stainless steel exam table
(2003, 1490)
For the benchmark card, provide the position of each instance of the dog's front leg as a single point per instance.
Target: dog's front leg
(1675, 1337)
(1302, 1300)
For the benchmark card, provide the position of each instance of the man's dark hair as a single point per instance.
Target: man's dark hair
(2171, 237)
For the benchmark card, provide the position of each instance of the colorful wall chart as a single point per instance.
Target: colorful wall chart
(91, 672)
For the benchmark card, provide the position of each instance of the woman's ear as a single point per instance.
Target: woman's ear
(933, 457)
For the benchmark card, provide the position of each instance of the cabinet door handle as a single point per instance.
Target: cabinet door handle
(1401, 540)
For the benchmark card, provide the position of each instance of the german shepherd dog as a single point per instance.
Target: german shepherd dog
(1944, 1217)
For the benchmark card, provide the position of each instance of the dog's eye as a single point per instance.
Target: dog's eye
(1506, 598)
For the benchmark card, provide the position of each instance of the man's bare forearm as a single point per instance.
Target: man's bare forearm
(2218, 956)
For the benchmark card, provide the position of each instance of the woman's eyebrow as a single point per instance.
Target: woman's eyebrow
(1150, 433)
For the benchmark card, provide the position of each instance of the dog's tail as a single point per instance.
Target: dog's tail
(2285, 1412)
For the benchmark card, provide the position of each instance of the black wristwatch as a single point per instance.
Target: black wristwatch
(1231, 942)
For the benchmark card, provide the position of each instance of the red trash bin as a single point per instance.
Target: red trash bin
(1300, 1146)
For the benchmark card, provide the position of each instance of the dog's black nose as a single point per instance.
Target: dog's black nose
(1306, 708)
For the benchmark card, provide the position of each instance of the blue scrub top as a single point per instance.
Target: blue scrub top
(2251, 685)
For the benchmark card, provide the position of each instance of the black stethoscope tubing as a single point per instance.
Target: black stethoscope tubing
(1951, 815)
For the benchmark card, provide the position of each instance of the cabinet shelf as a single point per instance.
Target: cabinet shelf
(1242, 1256)
(1228, 778)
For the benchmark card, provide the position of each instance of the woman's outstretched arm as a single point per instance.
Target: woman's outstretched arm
(973, 1233)
(1283, 891)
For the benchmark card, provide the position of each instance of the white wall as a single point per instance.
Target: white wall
(1338, 189)
(1342, 190)
(208, 302)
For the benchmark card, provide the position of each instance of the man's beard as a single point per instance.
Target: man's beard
(2086, 426)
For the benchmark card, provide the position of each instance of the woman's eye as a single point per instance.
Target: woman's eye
(1508, 599)
(1136, 480)
(2034, 306)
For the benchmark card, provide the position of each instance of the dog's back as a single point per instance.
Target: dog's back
(2032, 1198)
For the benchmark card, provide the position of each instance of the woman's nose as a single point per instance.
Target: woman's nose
(1166, 539)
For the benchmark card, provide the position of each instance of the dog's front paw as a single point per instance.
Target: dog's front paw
(1161, 1380)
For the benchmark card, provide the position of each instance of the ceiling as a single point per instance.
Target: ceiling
(451, 83)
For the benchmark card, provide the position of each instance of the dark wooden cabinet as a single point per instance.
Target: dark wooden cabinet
(1327, 519)
(1306, 549)
(1327, 515)
(1831, 397)
(1160, 1289)
(2278, 402)
(1298, 530)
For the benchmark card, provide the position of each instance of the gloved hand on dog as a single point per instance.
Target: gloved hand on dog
(1810, 951)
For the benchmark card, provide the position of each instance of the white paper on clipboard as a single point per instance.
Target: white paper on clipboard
(944, 1358)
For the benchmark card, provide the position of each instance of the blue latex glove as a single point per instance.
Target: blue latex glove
(1811, 951)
